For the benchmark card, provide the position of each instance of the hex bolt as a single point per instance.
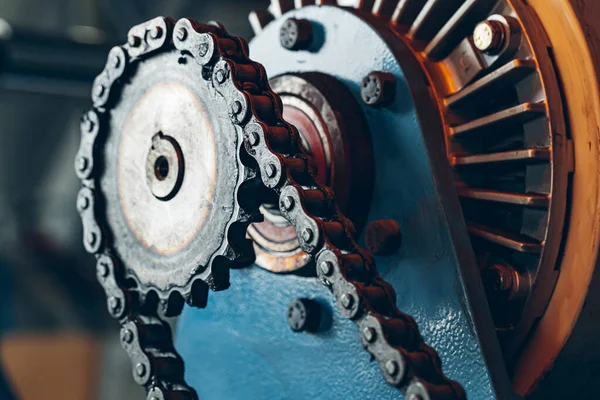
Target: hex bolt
(295, 34)
(391, 367)
(347, 301)
(307, 235)
(504, 283)
(378, 88)
(181, 34)
(369, 333)
(383, 237)
(288, 203)
(156, 32)
(134, 41)
(326, 268)
(140, 369)
(127, 336)
(271, 170)
(489, 36)
(304, 315)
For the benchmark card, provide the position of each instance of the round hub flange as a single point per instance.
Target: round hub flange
(334, 132)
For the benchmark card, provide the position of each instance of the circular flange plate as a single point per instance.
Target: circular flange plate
(165, 168)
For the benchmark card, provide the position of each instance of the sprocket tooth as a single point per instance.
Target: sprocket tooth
(259, 19)
(173, 305)
(198, 294)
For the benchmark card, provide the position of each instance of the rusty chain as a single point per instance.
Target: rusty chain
(390, 336)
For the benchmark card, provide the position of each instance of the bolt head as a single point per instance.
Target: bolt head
(347, 301)
(391, 367)
(488, 36)
(288, 203)
(127, 336)
(304, 315)
(383, 237)
(140, 369)
(181, 34)
(378, 88)
(369, 333)
(326, 268)
(295, 34)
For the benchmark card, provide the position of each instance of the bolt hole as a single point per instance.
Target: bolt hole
(161, 168)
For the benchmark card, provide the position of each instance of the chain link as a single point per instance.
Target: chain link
(390, 336)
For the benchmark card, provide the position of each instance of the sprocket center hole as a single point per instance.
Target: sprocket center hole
(161, 168)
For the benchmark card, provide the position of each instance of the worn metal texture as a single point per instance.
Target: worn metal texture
(240, 346)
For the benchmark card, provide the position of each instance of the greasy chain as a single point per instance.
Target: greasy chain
(389, 335)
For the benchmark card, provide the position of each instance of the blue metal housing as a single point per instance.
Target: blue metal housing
(241, 347)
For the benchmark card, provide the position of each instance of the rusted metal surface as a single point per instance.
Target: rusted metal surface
(167, 110)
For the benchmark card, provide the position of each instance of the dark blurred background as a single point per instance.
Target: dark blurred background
(56, 340)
